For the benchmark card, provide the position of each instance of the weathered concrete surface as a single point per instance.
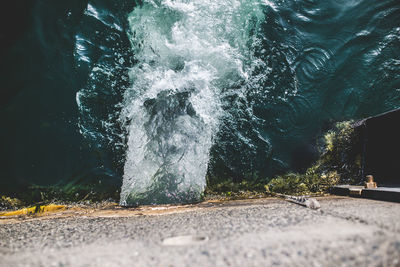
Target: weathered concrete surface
(263, 232)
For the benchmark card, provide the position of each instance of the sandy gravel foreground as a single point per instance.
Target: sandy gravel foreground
(261, 232)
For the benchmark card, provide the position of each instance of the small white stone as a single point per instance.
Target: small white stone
(312, 203)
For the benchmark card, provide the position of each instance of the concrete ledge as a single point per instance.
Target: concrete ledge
(344, 190)
(381, 193)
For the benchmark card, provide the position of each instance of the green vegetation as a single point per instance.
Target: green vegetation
(231, 190)
(302, 184)
(339, 162)
(342, 153)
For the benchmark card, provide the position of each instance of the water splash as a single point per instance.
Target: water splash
(190, 55)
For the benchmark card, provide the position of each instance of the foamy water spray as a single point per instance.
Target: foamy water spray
(189, 54)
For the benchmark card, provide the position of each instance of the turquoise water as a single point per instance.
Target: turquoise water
(158, 95)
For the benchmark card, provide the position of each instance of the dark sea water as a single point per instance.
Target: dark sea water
(156, 95)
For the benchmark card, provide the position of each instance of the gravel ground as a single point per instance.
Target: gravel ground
(263, 232)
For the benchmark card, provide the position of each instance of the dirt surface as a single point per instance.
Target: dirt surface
(259, 232)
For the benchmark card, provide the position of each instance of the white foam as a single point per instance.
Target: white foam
(190, 52)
